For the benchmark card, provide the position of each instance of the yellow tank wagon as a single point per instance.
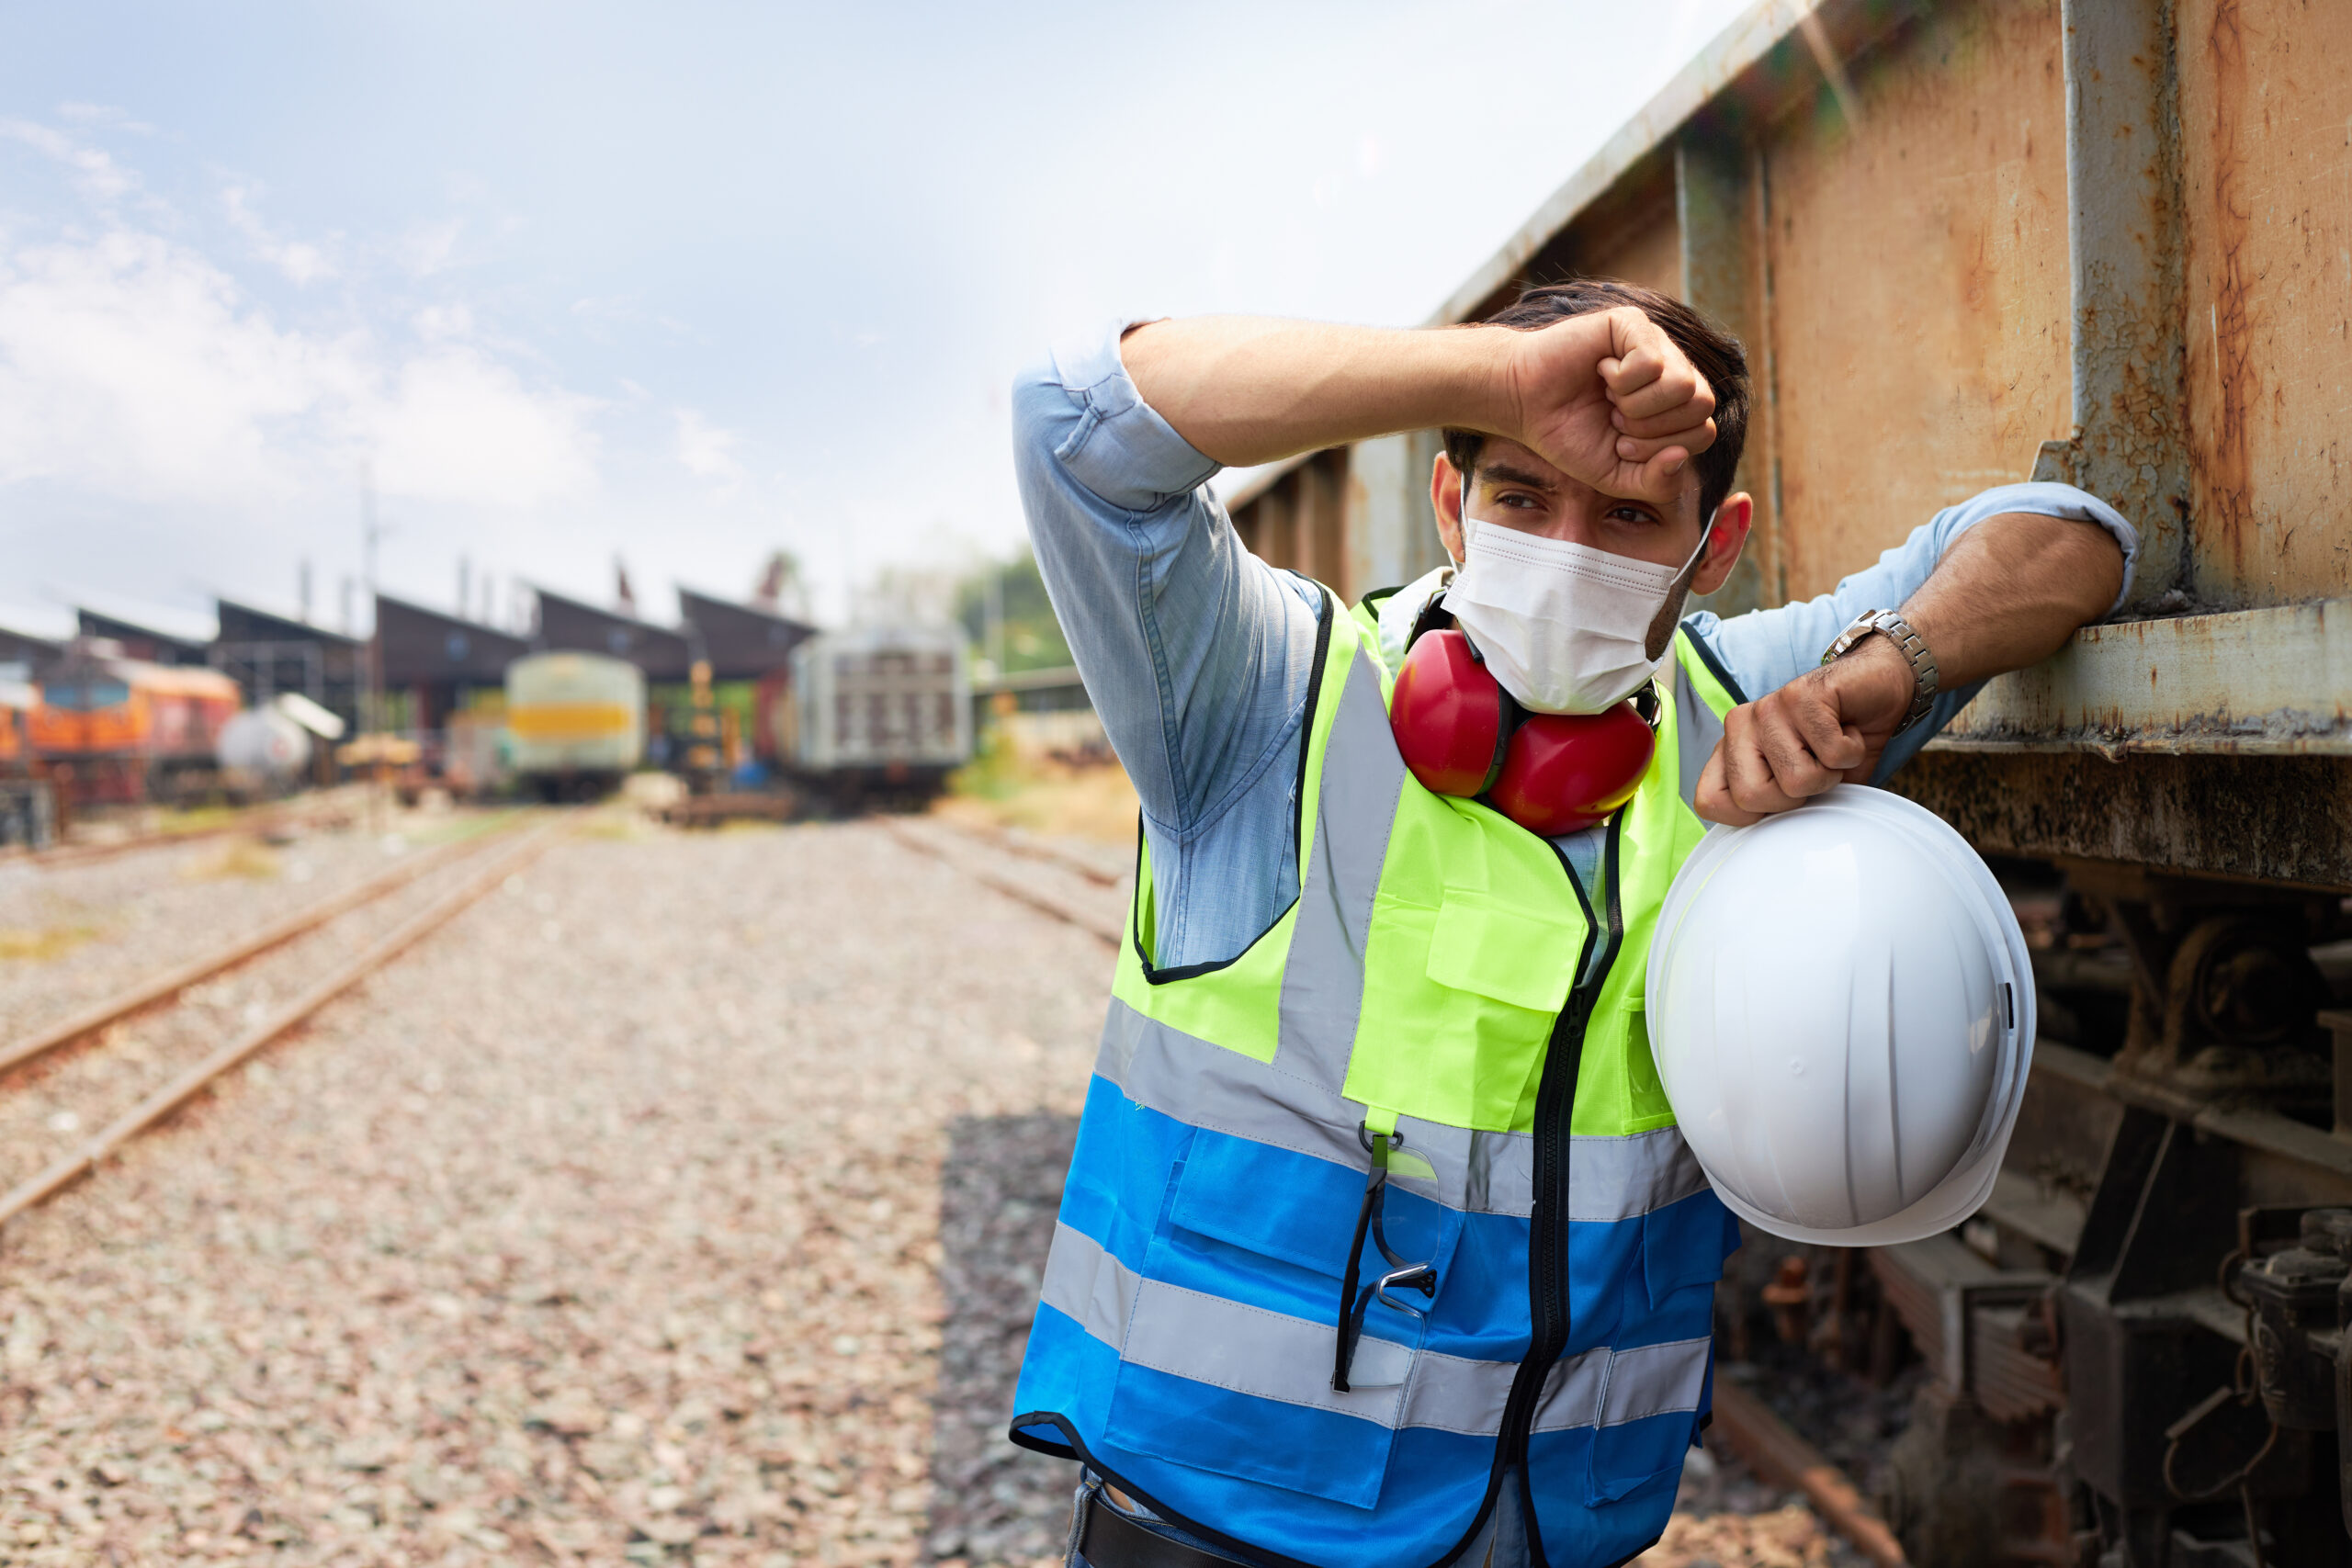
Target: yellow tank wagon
(575, 723)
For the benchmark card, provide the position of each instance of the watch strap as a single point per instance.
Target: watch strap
(1908, 642)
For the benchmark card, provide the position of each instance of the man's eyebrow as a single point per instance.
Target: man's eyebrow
(1503, 473)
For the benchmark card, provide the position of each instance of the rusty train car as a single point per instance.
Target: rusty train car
(2106, 240)
(109, 729)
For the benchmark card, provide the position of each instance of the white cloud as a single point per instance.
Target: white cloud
(98, 175)
(302, 264)
(707, 451)
(131, 367)
(128, 367)
(458, 426)
(427, 248)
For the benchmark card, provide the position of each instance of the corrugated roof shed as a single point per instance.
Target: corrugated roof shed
(741, 642)
(150, 643)
(431, 647)
(570, 626)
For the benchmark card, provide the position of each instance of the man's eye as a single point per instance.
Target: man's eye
(1630, 514)
(1521, 501)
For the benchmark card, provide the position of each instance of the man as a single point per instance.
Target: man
(1379, 1244)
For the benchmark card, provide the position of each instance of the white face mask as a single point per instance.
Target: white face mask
(1564, 627)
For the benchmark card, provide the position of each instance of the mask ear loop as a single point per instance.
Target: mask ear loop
(1669, 610)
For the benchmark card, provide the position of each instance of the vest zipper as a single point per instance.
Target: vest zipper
(1548, 1245)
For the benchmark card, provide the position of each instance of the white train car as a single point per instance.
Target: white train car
(575, 723)
(878, 713)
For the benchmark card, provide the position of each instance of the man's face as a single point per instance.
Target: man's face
(1513, 488)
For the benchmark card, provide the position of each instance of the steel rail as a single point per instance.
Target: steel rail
(64, 1171)
(1774, 1451)
(171, 982)
(999, 838)
(1021, 892)
(258, 820)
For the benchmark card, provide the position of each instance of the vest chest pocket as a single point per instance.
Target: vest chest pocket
(1459, 1002)
(1227, 1359)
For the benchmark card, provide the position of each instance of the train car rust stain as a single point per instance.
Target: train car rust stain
(2231, 316)
(1919, 270)
(2265, 112)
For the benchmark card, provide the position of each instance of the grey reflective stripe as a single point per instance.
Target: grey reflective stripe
(1608, 1388)
(1270, 1355)
(1181, 1075)
(1363, 777)
(1266, 1355)
(1696, 732)
(1085, 1283)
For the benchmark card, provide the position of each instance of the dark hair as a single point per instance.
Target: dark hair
(1713, 352)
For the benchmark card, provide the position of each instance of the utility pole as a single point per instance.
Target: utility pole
(996, 618)
(370, 532)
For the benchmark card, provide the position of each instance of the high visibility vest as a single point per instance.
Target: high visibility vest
(1550, 1245)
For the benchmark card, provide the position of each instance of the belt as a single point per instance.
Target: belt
(1111, 1540)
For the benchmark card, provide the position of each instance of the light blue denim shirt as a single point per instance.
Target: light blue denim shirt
(1197, 653)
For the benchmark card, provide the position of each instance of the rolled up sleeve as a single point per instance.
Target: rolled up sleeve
(1765, 650)
(1196, 654)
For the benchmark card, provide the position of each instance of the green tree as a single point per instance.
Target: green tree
(1033, 637)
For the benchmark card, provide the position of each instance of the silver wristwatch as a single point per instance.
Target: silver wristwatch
(1914, 648)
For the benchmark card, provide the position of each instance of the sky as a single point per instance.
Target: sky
(677, 286)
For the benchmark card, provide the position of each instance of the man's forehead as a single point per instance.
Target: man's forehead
(1507, 459)
(1503, 460)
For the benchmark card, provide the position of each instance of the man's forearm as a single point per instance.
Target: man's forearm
(1247, 389)
(2011, 590)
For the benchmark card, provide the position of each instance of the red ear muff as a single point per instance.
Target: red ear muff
(1450, 716)
(1565, 772)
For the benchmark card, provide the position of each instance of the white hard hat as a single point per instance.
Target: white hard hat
(1841, 1010)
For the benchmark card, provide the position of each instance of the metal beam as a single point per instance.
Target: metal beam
(1717, 210)
(2254, 683)
(2129, 444)
(2284, 819)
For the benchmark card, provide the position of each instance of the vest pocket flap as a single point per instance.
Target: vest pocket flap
(1281, 1205)
(1512, 955)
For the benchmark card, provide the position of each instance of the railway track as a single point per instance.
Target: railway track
(277, 817)
(969, 851)
(483, 861)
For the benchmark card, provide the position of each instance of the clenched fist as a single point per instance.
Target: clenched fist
(1826, 726)
(1608, 398)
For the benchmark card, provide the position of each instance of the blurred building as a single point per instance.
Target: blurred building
(436, 664)
(31, 653)
(750, 650)
(574, 625)
(140, 640)
(266, 653)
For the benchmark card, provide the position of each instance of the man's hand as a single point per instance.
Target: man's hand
(1826, 726)
(1608, 399)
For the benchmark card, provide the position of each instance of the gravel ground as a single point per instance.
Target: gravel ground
(682, 1200)
(71, 935)
(57, 1102)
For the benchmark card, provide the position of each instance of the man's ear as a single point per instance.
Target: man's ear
(1733, 519)
(1445, 499)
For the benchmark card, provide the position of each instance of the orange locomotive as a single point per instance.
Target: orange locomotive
(124, 729)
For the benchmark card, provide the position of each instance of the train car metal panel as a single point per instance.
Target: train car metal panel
(1917, 254)
(2265, 116)
(887, 698)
